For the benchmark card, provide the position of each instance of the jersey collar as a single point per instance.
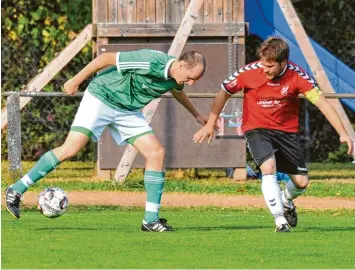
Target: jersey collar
(283, 72)
(167, 67)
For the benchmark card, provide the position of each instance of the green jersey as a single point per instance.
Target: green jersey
(138, 77)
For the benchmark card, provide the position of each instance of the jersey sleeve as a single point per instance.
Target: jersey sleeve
(307, 85)
(235, 83)
(144, 62)
(179, 88)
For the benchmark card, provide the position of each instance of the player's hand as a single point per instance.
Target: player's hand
(70, 87)
(203, 121)
(203, 133)
(346, 139)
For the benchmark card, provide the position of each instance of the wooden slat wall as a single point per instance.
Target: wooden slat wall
(122, 11)
(112, 11)
(208, 11)
(165, 11)
(218, 11)
(160, 12)
(131, 11)
(150, 15)
(200, 14)
(140, 11)
(169, 11)
(102, 10)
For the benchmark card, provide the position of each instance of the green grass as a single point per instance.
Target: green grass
(109, 237)
(80, 176)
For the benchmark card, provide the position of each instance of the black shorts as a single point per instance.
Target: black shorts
(263, 143)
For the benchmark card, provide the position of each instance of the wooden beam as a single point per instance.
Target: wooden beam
(176, 48)
(56, 65)
(168, 30)
(313, 61)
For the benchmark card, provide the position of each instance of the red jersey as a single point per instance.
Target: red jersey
(270, 104)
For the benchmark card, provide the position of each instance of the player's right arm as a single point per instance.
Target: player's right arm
(235, 83)
(100, 62)
(208, 130)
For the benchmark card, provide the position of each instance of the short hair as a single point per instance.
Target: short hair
(193, 58)
(274, 49)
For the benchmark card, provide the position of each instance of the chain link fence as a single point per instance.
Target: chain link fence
(45, 121)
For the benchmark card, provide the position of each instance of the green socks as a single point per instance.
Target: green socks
(153, 182)
(45, 165)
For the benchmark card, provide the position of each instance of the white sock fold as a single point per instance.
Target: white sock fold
(290, 193)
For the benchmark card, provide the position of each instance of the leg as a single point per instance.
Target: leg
(292, 190)
(261, 147)
(272, 194)
(154, 178)
(47, 163)
(291, 161)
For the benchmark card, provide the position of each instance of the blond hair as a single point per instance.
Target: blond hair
(274, 49)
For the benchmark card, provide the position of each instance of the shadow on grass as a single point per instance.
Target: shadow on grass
(67, 229)
(219, 228)
(325, 229)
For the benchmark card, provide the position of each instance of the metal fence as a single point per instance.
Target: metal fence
(46, 120)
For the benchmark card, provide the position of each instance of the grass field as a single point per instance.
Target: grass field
(79, 176)
(110, 237)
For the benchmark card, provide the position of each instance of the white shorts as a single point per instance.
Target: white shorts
(93, 116)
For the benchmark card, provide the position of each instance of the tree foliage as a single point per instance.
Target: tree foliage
(33, 33)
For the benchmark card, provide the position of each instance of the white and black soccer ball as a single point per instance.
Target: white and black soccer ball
(52, 202)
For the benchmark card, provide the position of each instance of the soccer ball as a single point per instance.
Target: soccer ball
(52, 202)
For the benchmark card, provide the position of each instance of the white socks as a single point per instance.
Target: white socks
(272, 196)
(289, 193)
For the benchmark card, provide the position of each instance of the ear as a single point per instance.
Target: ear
(181, 64)
(284, 63)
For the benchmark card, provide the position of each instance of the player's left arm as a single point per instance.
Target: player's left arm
(310, 89)
(329, 112)
(183, 99)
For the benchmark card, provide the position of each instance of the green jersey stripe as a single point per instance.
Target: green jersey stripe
(133, 66)
(130, 63)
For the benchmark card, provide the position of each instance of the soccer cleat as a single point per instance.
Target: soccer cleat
(291, 215)
(283, 228)
(12, 199)
(158, 226)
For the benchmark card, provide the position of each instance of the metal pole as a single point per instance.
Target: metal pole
(167, 95)
(14, 136)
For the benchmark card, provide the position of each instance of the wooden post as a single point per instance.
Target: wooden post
(176, 48)
(313, 61)
(56, 65)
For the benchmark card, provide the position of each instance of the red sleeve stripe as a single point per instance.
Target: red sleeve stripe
(252, 66)
(225, 89)
(303, 74)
